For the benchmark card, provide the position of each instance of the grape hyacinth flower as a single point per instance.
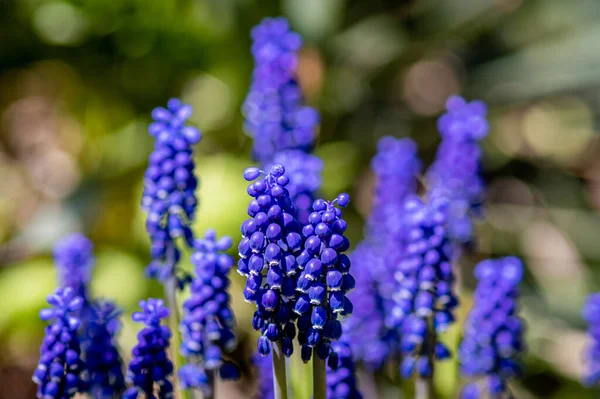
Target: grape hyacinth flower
(591, 314)
(456, 171)
(324, 280)
(424, 299)
(74, 259)
(271, 239)
(493, 334)
(208, 320)
(282, 127)
(102, 359)
(60, 371)
(342, 382)
(265, 376)
(169, 188)
(150, 368)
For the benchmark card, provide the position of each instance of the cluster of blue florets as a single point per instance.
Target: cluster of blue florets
(341, 381)
(150, 367)
(456, 171)
(169, 187)
(102, 359)
(324, 280)
(271, 239)
(74, 259)
(591, 314)
(424, 298)
(264, 368)
(493, 333)
(208, 320)
(60, 373)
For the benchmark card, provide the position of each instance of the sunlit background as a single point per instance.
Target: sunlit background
(78, 79)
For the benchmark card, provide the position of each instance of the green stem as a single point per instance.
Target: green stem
(279, 377)
(319, 378)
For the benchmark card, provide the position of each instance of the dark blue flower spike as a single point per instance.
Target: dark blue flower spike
(591, 314)
(74, 259)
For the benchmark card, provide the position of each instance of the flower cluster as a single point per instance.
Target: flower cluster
(324, 280)
(169, 187)
(275, 115)
(271, 239)
(591, 314)
(60, 371)
(74, 258)
(456, 172)
(103, 362)
(149, 363)
(424, 299)
(342, 382)
(208, 321)
(396, 167)
(493, 334)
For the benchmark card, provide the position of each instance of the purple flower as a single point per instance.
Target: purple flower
(59, 374)
(456, 171)
(341, 381)
(271, 239)
(149, 364)
(591, 314)
(493, 333)
(74, 259)
(208, 320)
(324, 280)
(424, 297)
(102, 359)
(169, 186)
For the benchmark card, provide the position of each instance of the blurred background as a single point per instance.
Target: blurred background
(78, 79)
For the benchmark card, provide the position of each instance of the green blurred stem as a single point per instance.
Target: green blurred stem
(319, 378)
(279, 374)
(424, 385)
(171, 297)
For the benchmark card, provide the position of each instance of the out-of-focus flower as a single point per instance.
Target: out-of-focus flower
(60, 371)
(456, 171)
(268, 257)
(74, 259)
(208, 320)
(591, 314)
(493, 334)
(342, 382)
(264, 367)
(102, 359)
(324, 281)
(169, 188)
(424, 297)
(149, 365)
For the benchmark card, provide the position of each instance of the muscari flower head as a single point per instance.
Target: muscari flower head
(324, 280)
(102, 359)
(264, 367)
(74, 258)
(169, 186)
(271, 239)
(591, 314)
(276, 117)
(342, 382)
(60, 371)
(208, 320)
(493, 333)
(456, 171)
(424, 298)
(150, 368)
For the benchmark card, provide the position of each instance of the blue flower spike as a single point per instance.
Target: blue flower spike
(150, 368)
(169, 189)
(493, 334)
(74, 259)
(60, 372)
